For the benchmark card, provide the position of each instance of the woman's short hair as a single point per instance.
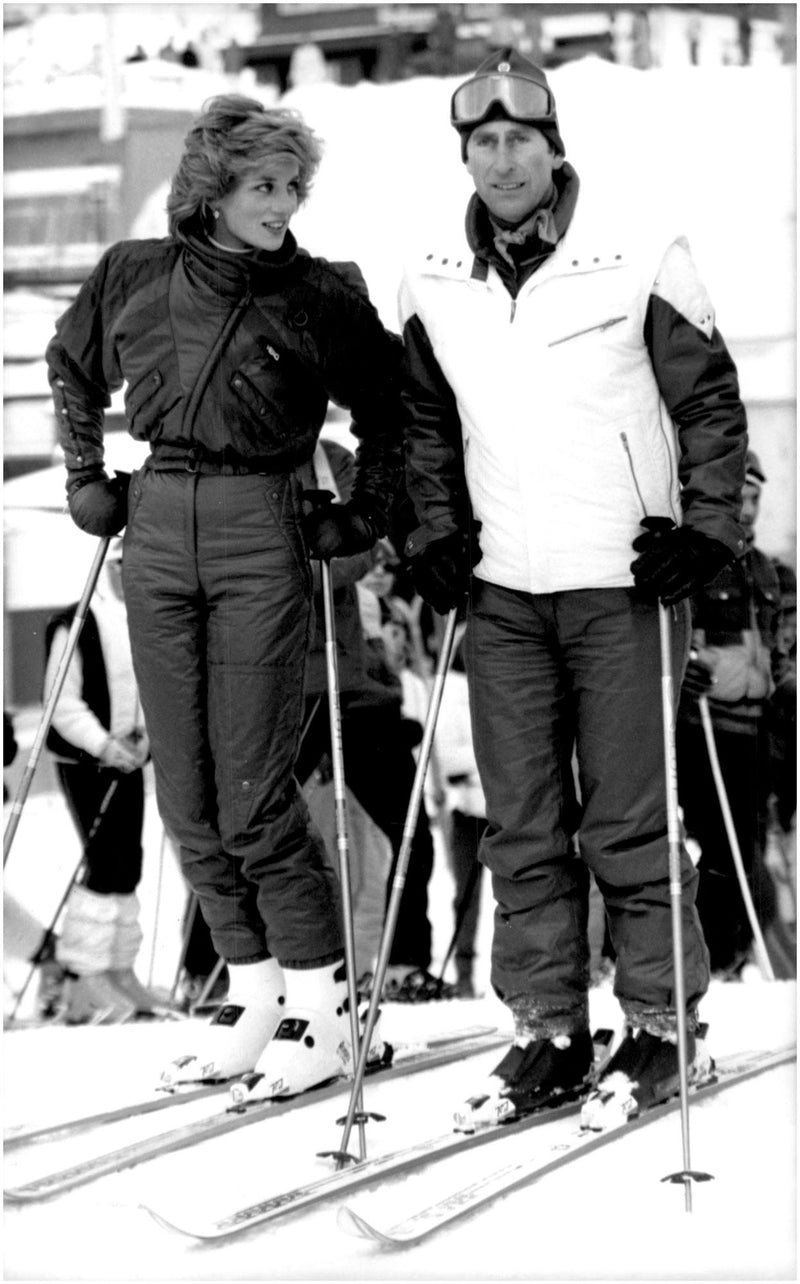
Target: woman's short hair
(232, 136)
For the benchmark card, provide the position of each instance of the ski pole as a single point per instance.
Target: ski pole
(398, 883)
(461, 913)
(759, 945)
(190, 916)
(686, 1175)
(50, 931)
(342, 841)
(157, 915)
(15, 812)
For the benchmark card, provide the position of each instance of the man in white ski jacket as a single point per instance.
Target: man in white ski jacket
(571, 405)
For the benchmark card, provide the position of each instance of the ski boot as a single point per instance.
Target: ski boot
(543, 1072)
(232, 1042)
(312, 1044)
(642, 1073)
(147, 1006)
(95, 1000)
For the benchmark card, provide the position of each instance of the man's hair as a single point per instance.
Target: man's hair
(232, 137)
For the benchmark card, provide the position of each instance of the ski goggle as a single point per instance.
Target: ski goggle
(522, 99)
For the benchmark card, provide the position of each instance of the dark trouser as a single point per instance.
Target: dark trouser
(465, 836)
(113, 855)
(379, 768)
(217, 586)
(744, 763)
(549, 673)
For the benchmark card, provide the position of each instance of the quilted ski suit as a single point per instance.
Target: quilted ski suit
(228, 363)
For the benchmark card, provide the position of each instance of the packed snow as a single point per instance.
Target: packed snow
(605, 1216)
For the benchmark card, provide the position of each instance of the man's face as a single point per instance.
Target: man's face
(512, 168)
(751, 496)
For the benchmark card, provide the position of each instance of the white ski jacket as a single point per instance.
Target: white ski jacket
(567, 440)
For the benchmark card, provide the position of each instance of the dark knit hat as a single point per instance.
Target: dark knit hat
(507, 85)
(753, 470)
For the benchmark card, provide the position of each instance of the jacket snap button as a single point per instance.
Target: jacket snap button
(237, 383)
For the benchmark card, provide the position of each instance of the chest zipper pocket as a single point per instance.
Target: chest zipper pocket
(590, 329)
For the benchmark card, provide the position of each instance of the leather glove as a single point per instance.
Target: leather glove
(441, 572)
(698, 678)
(337, 530)
(99, 506)
(675, 561)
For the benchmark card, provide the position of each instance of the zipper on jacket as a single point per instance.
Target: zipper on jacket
(604, 325)
(625, 446)
(222, 341)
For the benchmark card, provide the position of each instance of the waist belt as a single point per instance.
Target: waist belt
(224, 463)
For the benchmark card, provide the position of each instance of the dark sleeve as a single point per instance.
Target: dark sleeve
(364, 377)
(697, 379)
(434, 453)
(345, 571)
(83, 373)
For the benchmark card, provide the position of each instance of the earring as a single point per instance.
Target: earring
(215, 213)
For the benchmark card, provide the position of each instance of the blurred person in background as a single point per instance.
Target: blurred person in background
(99, 744)
(736, 656)
(231, 341)
(575, 456)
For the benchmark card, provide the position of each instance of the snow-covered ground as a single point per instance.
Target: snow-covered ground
(606, 1216)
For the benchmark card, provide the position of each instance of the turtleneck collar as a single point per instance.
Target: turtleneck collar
(232, 274)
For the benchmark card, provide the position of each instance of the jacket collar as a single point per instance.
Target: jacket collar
(231, 275)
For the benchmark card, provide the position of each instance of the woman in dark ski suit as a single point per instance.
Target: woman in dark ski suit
(231, 341)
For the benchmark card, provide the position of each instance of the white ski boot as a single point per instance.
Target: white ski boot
(642, 1073)
(313, 1042)
(93, 999)
(85, 950)
(232, 1042)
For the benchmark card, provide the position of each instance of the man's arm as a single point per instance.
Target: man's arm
(698, 381)
(434, 453)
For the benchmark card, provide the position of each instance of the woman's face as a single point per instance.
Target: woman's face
(257, 211)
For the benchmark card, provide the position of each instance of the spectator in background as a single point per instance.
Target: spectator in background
(735, 653)
(466, 808)
(390, 765)
(364, 704)
(98, 740)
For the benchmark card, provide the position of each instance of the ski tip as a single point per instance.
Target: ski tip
(166, 1224)
(352, 1224)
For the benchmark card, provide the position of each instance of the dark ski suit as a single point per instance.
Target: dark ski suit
(229, 363)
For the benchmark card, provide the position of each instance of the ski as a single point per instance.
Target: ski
(370, 1170)
(728, 1072)
(23, 1135)
(15, 1137)
(406, 1060)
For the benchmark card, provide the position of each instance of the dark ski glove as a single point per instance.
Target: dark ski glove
(337, 530)
(99, 506)
(441, 571)
(675, 561)
(698, 678)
